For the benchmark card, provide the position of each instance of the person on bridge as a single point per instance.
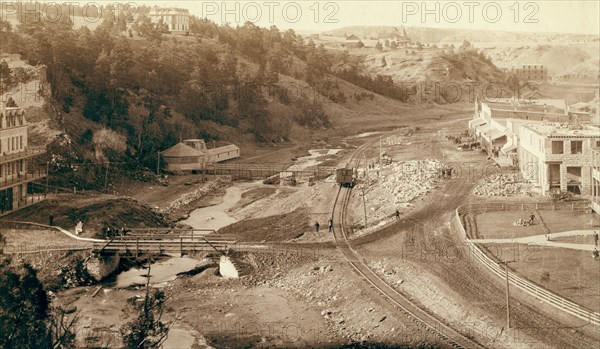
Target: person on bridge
(330, 225)
(317, 225)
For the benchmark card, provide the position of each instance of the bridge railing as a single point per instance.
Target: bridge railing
(521, 283)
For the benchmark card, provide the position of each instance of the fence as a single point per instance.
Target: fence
(523, 284)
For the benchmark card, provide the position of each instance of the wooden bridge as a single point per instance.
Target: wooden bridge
(153, 240)
(265, 170)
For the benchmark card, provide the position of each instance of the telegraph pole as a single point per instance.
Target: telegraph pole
(363, 190)
(47, 174)
(507, 293)
(106, 176)
(380, 162)
(158, 163)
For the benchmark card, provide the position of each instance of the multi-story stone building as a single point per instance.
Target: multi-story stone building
(530, 72)
(558, 157)
(176, 19)
(18, 166)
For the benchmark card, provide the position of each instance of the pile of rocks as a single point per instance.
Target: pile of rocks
(504, 185)
(187, 198)
(401, 184)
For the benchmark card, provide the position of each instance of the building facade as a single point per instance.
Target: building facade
(176, 19)
(558, 157)
(595, 197)
(530, 72)
(18, 162)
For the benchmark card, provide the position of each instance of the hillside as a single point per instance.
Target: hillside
(116, 96)
(557, 57)
(447, 35)
(567, 56)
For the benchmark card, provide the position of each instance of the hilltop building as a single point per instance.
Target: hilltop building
(18, 162)
(400, 37)
(176, 19)
(193, 155)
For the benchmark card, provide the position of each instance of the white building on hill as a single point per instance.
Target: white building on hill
(176, 19)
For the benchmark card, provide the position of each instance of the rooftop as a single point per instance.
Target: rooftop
(181, 150)
(169, 11)
(564, 130)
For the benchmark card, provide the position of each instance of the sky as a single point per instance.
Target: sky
(559, 16)
(312, 15)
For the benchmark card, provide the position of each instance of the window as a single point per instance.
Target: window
(557, 147)
(598, 144)
(576, 147)
(20, 142)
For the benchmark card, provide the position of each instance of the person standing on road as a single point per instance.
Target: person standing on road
(51, 220)
(397, 214)
(330, 223)
(317, 225)
(596, 239)
(531, 218)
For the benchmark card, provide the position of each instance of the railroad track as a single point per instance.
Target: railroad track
(407, 308)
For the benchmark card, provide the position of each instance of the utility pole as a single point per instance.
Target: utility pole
(158, 163)
(380, 162)
(507, 293)
(47, 174)
(363, 190)
(106, 176)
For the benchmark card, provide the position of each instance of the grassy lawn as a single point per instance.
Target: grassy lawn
(572, 274)
(499, 225)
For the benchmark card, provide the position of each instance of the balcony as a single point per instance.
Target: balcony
(21, 178)
(28, 153)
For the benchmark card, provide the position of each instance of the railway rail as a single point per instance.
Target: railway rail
(407, 308)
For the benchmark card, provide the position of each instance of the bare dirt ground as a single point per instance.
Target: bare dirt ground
(314, 300)
(422, 251)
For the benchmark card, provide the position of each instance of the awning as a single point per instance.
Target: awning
(489, 133)
(482, 130)
(495, 134)
(507, 148)
(476, 122)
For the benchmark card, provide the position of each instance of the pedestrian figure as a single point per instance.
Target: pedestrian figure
(596, 238)
(317, 225)
(51, 220)
(531, 218)
(79, 228)
(108, 232)
(330, 225)
(596, 254)
(397, 214)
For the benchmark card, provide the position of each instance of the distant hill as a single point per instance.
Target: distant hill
(443, 35)
(558, 57)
